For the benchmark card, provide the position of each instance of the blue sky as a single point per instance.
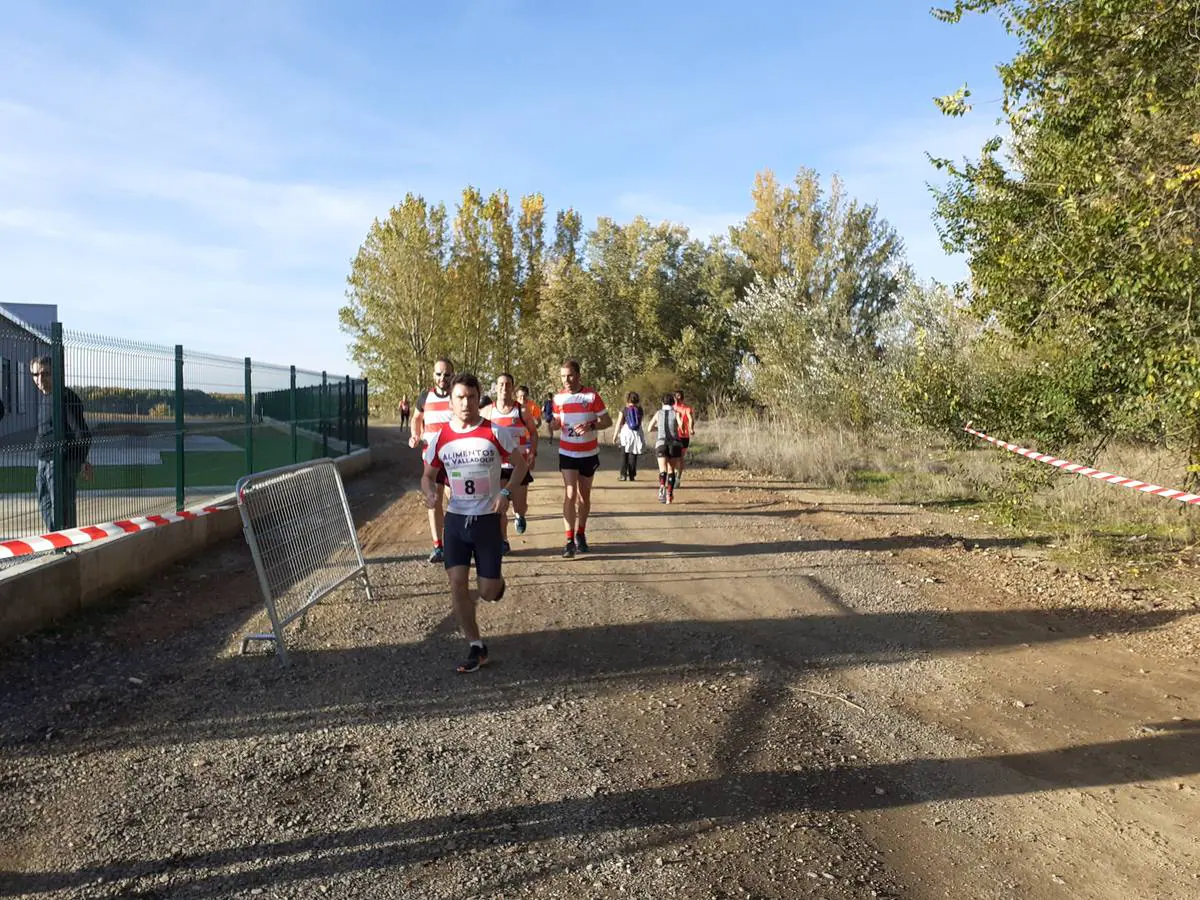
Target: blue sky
(203, 172)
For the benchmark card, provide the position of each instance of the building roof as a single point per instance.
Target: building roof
(23, 325)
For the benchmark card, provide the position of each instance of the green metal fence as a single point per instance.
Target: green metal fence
(139, 429)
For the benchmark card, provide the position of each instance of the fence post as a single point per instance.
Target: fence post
(349, 432)
(366, 416)
(180, 466)
(58, 388)
(292, 416)
(324, 409)
(248, 399)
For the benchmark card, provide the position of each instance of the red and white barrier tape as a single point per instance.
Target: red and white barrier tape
(71, 537)
(1077, 469)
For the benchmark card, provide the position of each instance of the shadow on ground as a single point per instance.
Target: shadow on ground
(727, 799)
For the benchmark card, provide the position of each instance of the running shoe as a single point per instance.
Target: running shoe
(476, 658)
(437, 555)
(670, 496)
(581, 544)
(519, 521)
(569, 550)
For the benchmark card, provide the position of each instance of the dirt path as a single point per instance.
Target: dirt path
(761, 691)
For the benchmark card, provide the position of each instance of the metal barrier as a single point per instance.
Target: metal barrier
(301, 534)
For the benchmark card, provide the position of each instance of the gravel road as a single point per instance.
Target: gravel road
(761, 691)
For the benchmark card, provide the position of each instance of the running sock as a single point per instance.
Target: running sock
(578, 532)
(662, 479)
(477, 643)
(437, 543)
(671, 481)
(570, 535)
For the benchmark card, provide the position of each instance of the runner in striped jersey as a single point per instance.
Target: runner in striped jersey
(579, 413)
(473, 452)
(433, 410)
(506, 412)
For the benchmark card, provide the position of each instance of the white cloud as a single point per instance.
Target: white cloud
(147, 204)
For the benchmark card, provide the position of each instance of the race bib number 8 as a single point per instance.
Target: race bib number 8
(471, 482)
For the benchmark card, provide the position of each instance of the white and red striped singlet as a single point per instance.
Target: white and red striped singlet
(510, 420)
(472, 458)
(436, 409)
(572, 409)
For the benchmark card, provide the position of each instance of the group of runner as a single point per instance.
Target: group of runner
(485, 450)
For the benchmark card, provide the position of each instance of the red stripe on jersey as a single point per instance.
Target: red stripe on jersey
(513, 420)
(508, 420)
(446, 436)
(576, 408)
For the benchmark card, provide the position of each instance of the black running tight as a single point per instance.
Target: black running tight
(629, 465)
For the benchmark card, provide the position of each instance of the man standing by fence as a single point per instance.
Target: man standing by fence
(77, 443)
(472, 451)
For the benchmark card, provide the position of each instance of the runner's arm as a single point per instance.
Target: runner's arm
(416, 425)
(520, 466)
(604, 420)
(532, 430)
(429, 485)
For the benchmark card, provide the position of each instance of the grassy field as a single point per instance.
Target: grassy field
(272, 448)
(1081, 515)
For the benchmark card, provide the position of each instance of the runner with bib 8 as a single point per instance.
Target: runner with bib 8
(471, 452)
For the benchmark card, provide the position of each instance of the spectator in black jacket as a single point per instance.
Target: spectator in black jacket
(77, 444)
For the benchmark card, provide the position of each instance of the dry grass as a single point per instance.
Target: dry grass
(1082, 515)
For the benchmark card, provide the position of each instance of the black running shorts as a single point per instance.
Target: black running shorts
(480, 539)
(506, 475)
(685, 442)
(669, 450)
(586, 466)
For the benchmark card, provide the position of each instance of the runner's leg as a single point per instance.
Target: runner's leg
(505, 481)
(520, 500)
(463, 602)
(570, 491)
(486, 534)
(437, 523)
(584, 504)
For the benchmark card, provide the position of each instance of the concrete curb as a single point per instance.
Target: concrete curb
(53, 587)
